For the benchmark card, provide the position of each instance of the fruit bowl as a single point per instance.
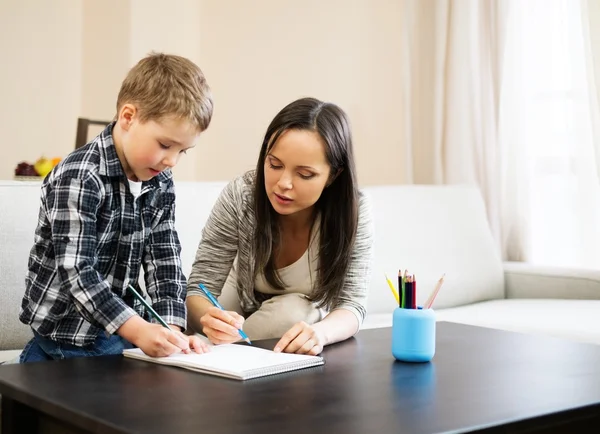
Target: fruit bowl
(28, 178)
(34, 172)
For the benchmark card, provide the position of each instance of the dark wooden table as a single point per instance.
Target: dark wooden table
(480, 379)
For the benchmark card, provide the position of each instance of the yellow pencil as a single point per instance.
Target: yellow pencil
(391, 285)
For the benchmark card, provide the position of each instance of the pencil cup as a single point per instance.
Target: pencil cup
(413, 334)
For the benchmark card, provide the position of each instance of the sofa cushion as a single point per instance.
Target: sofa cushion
(576, 320)
(571, 319)
(10, 356)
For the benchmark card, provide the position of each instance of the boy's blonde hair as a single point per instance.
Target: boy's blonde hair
(162, 85)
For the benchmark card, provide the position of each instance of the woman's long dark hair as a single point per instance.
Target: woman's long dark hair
(338, 204)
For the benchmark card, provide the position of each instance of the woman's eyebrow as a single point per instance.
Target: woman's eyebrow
(297, 167)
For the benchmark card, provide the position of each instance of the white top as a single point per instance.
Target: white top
(298, 277)
(135, 188)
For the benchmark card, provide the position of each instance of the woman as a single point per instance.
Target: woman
(293, 238)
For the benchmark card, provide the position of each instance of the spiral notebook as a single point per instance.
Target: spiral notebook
(240, 362)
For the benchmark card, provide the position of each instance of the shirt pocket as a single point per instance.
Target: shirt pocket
(151, 216)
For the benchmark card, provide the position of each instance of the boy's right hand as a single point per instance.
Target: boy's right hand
(221, 327)
(153, 339)
(156, 341)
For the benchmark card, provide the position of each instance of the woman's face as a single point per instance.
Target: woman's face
(296, 171)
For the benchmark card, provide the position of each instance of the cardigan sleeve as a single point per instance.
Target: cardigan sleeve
(353, 296)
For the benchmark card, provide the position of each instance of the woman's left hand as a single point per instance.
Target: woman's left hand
(301, 339)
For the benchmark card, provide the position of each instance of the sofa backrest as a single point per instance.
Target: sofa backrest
(429, 230)
(193, 206)
(432, 230)
(19, 205)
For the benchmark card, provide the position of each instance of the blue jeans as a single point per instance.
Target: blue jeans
(40, 348)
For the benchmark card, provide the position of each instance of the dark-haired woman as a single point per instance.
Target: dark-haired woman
(291, 242)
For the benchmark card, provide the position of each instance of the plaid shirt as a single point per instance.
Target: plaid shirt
(92, 236)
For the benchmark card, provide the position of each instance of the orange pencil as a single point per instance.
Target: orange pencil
(431, 298)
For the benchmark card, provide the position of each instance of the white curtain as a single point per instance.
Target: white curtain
(549, 123)
(455, 66)
(503, 94)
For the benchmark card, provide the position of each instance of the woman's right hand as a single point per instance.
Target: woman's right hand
(220, 326)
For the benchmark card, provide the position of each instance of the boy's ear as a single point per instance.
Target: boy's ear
(333, 177)
(126, 116)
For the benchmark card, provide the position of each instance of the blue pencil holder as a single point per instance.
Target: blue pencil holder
(413, 335)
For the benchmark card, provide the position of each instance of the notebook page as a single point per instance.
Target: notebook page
(232, 359)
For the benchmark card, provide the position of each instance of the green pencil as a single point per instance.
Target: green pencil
(147, 306)
(404, 289)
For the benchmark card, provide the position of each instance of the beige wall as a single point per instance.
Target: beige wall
(106, 56)
(257, 56)
(168, 26)
(40, 79)
(258, 59)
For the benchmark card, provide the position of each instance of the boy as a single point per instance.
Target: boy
(107, 209)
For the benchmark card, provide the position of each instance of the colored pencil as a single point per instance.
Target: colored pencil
(391, 285)
(434, 293)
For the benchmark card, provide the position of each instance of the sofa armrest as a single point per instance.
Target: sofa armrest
(524, 280)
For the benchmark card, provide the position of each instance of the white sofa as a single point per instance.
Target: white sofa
(430, 230)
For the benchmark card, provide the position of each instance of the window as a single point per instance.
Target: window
(556, 131)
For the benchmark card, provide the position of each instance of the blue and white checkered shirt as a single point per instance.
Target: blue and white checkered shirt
(92, 237)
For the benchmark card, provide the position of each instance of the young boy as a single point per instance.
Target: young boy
(108, 209)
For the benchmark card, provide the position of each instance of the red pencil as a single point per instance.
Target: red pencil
(414, 288)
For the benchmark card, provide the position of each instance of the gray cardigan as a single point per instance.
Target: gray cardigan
(229, 233)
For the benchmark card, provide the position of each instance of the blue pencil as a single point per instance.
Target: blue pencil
(216, 303)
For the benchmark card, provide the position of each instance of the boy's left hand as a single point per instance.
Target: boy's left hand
(301, 339)
(197, 345)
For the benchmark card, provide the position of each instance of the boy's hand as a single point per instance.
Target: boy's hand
(221, 327)
(195, 344)
(156, 341)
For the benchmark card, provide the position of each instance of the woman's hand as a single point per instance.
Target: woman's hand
(221, 327)
(301, 339)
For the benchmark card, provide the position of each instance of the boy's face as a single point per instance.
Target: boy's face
(148, 148)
